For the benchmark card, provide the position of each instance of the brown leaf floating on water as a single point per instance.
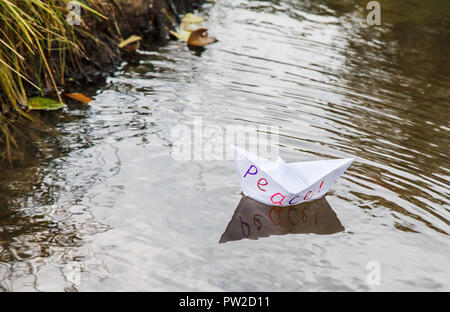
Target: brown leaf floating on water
(80, 97)
(199, 38)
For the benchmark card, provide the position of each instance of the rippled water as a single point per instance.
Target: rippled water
(114, 205)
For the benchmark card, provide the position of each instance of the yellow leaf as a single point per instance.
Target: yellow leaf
(189, 23)
(190, 18)
(182, 35)
(129, 40)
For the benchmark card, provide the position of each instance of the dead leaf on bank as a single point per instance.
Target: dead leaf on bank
(182, 35)
(129, 40)
(80, 97)
(199, 38)
(189, 23)
(131, 44)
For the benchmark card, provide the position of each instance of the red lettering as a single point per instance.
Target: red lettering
(304, 215)
(277, 211)
(308, 195)
(320, 187)
(260, 184)
(277, 202)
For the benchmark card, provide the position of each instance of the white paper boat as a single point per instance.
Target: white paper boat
(286, 184)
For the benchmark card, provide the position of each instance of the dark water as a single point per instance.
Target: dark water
(114, 205)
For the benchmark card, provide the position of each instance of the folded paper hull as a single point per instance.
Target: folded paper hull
(286, 184)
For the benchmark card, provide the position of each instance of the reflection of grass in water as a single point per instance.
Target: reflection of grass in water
(36, 43)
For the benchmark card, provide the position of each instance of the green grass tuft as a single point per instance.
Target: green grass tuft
(36, 43)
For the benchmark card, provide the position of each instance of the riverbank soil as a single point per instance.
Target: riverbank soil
(90, 54)
(149, 19)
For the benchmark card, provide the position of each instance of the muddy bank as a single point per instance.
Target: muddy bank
(70, 58)
(149, 19)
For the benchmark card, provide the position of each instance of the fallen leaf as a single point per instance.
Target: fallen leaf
(129, 40)
(199, 38)
(131, 44)
(190, 18)
(80, 97)
(189, 23)
(182, 35)
(41, 103)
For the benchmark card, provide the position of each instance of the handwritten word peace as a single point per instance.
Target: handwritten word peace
(277, 198)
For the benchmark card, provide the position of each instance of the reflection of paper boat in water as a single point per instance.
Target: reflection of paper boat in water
(285, 184)
(252, 220)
